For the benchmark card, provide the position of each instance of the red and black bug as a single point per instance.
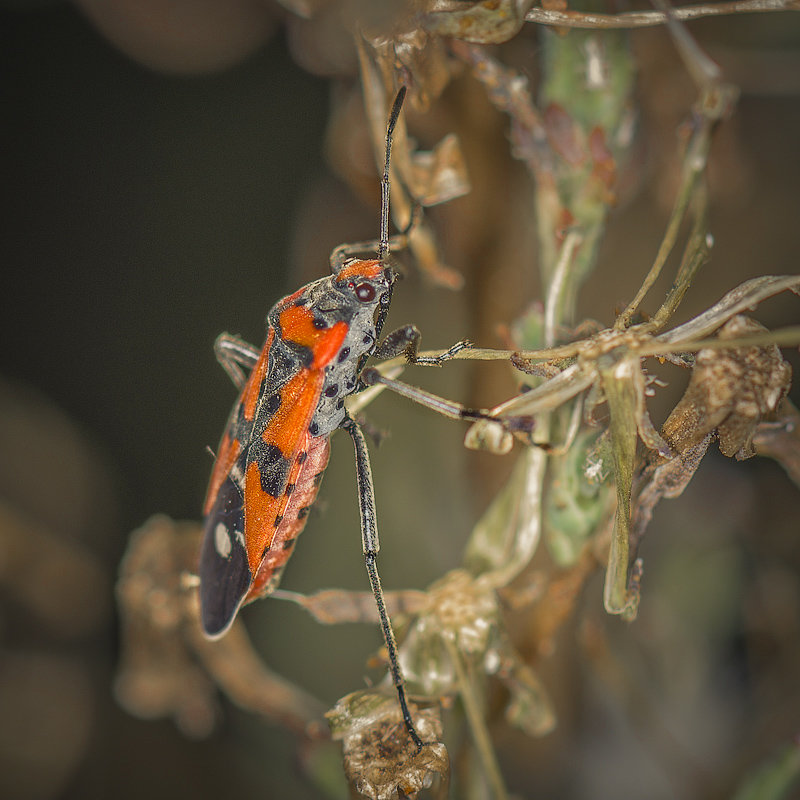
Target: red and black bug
(276, 445)
(275, 448)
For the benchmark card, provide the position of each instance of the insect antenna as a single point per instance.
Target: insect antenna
(383, 246)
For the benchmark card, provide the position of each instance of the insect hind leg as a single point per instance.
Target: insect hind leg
(371, 546)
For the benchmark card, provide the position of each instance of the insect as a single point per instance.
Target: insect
(276, 444)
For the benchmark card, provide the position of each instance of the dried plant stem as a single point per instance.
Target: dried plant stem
(557, 286)
(480, 735)
(783, 337)
(715, 101)
(242, 675)
(694, 256)
(646, 19)
(694, 165)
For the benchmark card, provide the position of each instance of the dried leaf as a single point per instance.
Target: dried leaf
(730, 391)
(623, 405)
(158, 675)
(668, 480)
(487, 22)
(781, 439)
(506, 537)
(439, 175)
(530, 708)
(168, 667)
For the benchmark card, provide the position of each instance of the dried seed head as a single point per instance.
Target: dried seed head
(380, 760)
(462, 615)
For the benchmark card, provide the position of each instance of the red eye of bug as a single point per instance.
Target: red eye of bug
(365, 292)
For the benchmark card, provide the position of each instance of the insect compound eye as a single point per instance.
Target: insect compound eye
(365, 292)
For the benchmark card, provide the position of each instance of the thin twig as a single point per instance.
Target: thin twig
(558, 282)
(647, 19)
(480, 734)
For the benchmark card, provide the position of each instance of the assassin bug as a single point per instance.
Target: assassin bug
(276, 445)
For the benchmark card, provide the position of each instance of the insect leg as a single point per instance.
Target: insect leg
(406, 340)
(236, 357)
(513, 424)
(371, 545)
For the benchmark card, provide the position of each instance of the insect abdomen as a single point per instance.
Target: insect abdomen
(301, 490)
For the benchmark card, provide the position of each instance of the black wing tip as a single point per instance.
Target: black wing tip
(225, 577)
(216, 625)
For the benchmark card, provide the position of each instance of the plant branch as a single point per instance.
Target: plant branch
(648, 19)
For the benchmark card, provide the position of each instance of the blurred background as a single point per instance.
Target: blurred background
(163, 182)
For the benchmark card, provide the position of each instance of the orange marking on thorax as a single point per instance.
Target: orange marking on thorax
(297, 325)
(361, 269)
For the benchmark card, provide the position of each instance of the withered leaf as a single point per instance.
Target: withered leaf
(668, 479)
(488, 22)
(781, 439)
(730, 391)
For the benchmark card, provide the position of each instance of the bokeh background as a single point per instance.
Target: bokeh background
(159, 191)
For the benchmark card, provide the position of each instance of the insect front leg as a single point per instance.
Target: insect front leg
(406, 340)
(371, 546)
(237, 357)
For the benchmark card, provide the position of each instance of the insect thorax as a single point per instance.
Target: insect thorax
(332, 303)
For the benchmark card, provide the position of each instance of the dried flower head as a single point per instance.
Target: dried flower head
(380, 759)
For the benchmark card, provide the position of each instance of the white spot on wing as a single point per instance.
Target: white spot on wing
(222, 540)
(237, 477)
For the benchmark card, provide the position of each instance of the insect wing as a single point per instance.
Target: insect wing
(260, 462)
(225, 573)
